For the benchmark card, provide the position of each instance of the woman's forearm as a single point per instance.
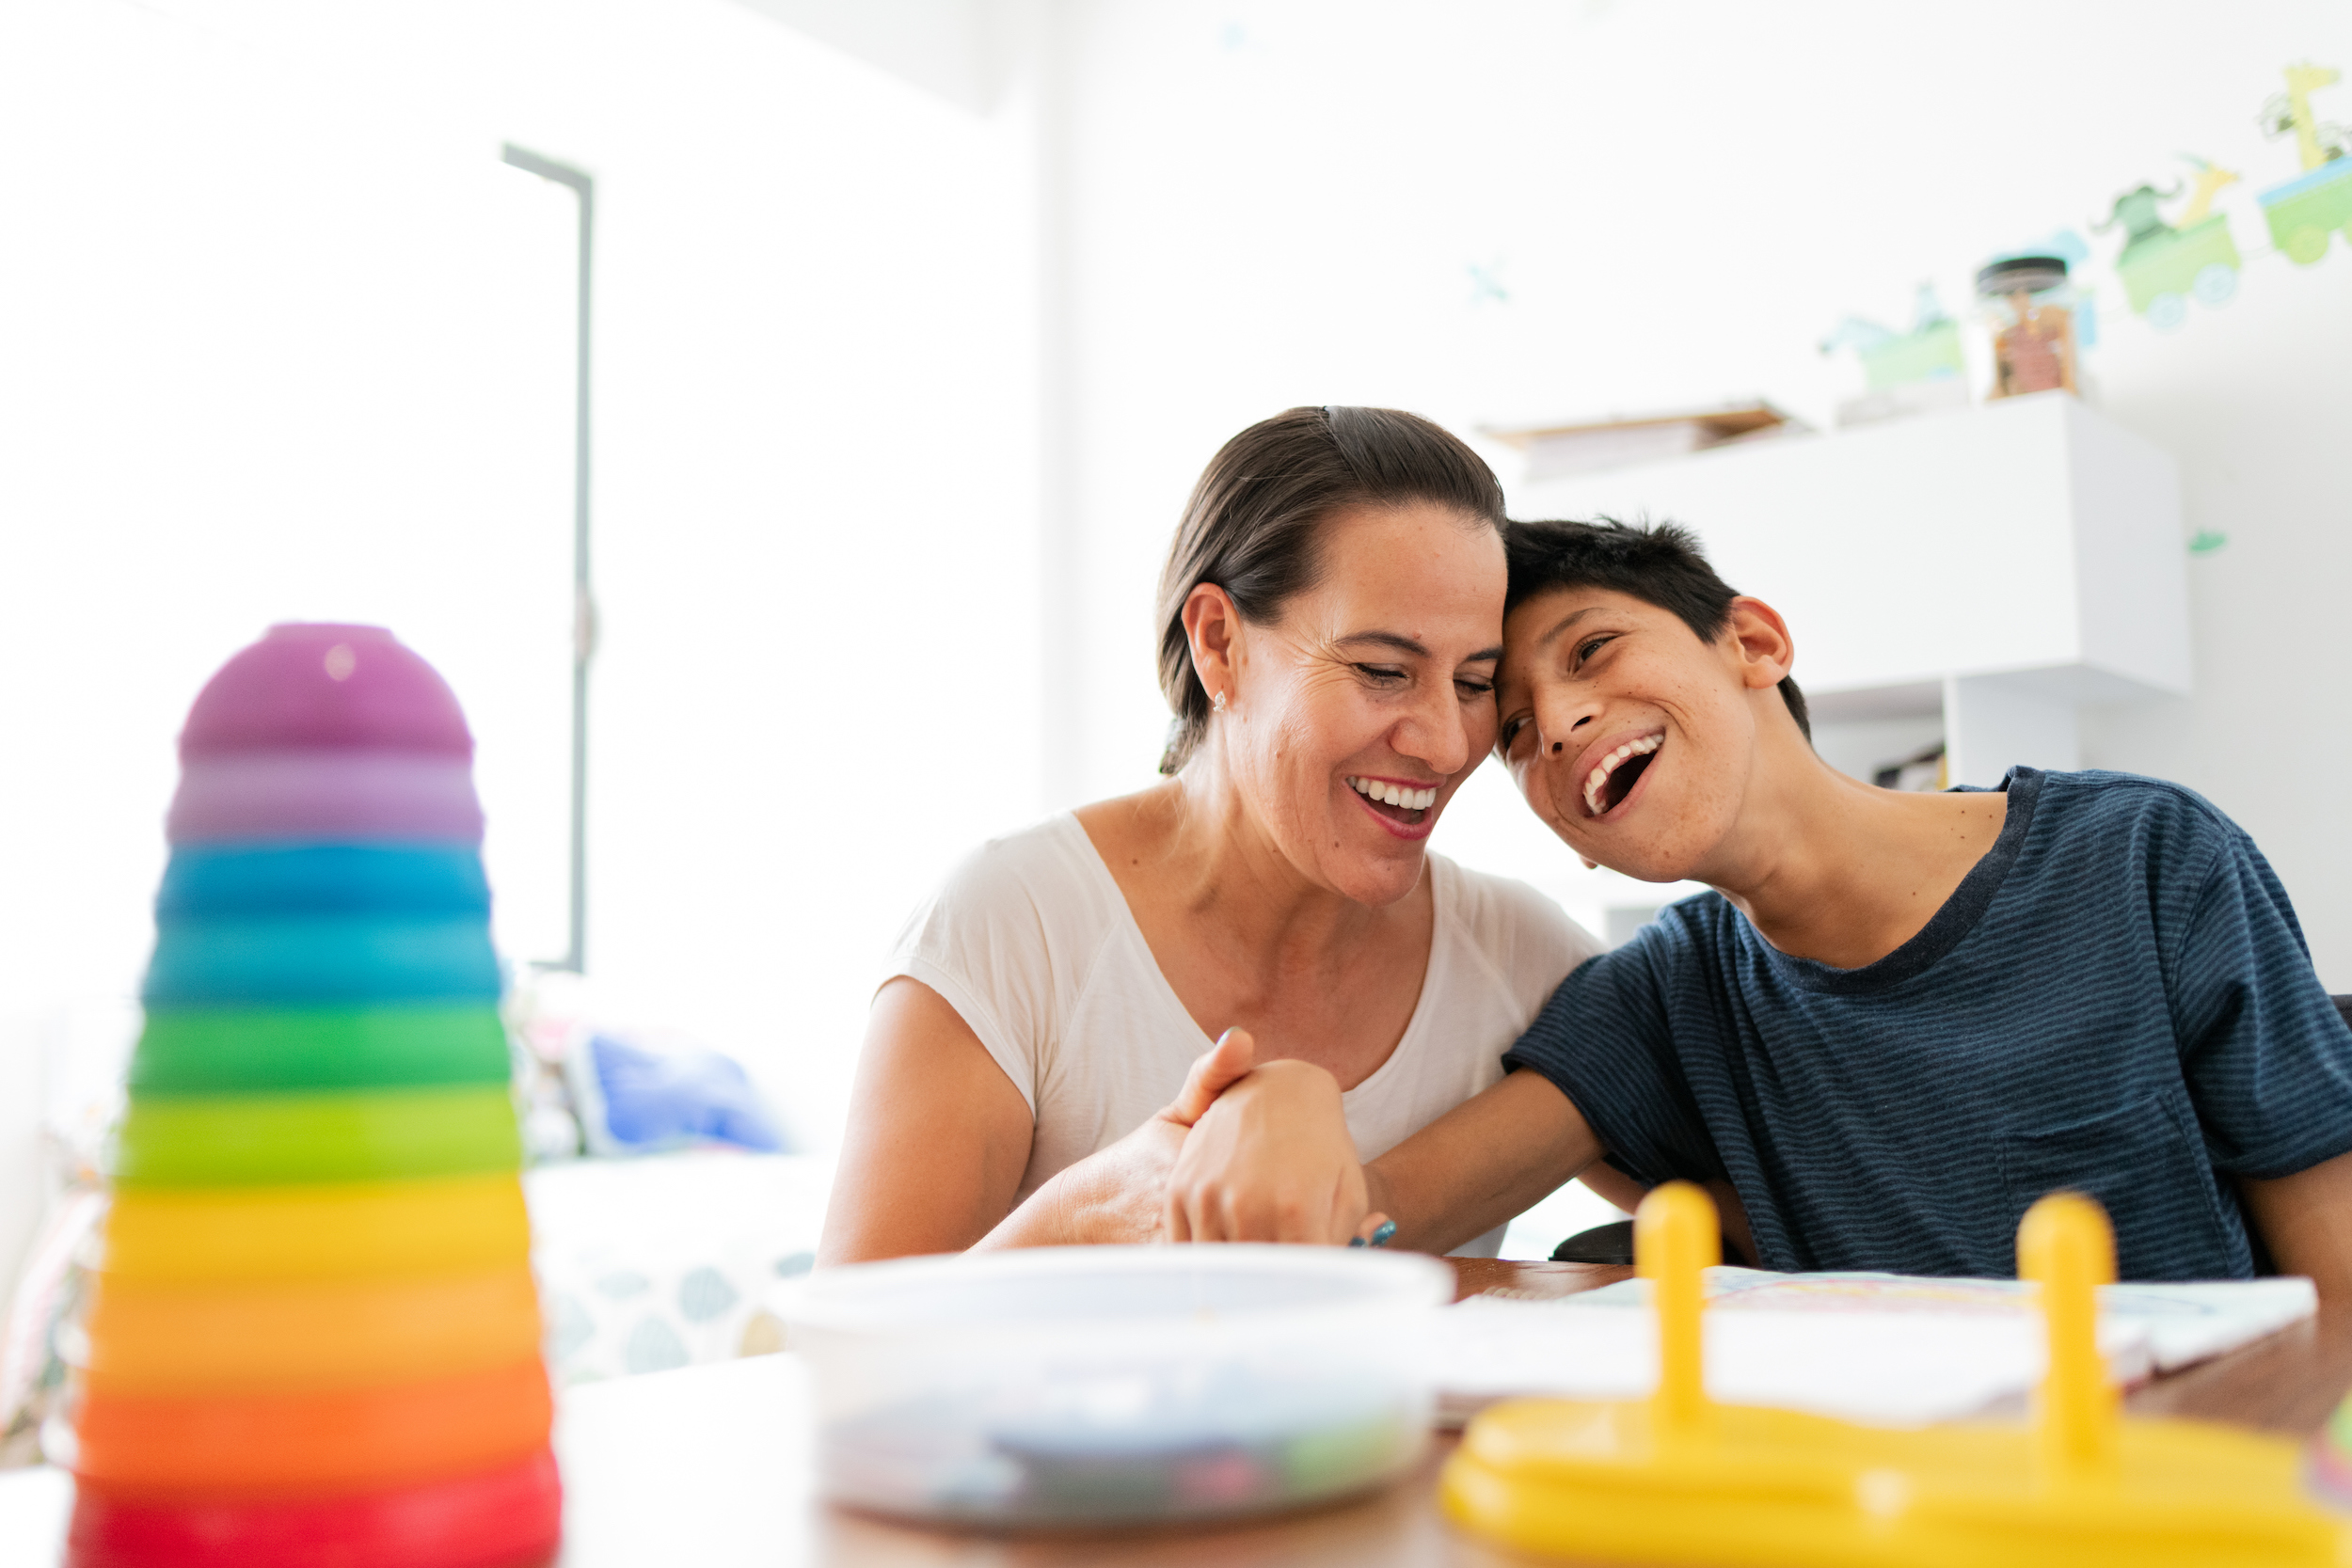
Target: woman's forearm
(1112, 1196)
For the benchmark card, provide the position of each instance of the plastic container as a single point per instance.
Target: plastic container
(1094, 1386)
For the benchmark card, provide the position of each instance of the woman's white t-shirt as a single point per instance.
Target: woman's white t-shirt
(1033, 944)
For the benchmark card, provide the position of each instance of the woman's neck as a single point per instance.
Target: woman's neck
(1225, 867)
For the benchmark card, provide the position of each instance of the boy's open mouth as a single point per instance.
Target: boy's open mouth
(1398, 803)
(1613, 776)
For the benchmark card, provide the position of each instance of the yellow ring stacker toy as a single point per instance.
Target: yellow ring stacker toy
(341, 1231)
(1677, 1479)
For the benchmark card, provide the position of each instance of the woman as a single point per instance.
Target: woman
(1329, 621)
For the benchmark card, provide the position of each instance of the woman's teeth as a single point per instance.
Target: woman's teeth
(1394, 795)
(1598, 778)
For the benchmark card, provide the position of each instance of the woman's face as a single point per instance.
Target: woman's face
(1354, 717)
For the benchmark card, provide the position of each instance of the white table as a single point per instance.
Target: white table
(712, 1466)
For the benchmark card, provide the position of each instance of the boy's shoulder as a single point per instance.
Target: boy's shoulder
(2098, 812)
(2100, 790)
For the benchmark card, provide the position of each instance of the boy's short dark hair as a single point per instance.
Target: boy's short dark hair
(1659, 564)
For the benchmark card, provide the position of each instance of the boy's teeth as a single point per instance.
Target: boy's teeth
(1599, 775)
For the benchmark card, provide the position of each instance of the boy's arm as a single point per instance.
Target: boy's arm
(2306, 1221)
(1483, 1163)
(1272, 1160)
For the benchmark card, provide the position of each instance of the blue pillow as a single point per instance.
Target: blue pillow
(632, 1101)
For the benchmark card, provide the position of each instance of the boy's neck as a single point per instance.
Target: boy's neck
(1831, 869)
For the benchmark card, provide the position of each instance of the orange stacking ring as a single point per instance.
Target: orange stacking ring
(333, 1230)
(286, 1445)
(147, 1338)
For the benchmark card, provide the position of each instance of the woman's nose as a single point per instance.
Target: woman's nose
(1436, 735)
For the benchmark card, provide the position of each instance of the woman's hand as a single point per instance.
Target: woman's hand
(1116, 1195)
(1269, 1160)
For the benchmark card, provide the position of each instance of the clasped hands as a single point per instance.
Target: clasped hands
(1266, 1154)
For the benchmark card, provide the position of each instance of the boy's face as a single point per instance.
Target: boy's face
(1631, 738)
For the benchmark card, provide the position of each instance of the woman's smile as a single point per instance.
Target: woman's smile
(1403, 807)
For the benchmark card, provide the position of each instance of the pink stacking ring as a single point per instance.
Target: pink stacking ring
(333, 795)
(325, 686)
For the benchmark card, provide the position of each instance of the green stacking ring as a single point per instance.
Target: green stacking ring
(232, 1049)
(250, 1140)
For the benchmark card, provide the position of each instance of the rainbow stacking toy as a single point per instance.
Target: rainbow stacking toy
(313, 1335)
(1678, 1479)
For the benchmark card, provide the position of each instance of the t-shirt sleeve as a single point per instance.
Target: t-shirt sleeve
(1530, 940)
(980, 943)
(1603, 1040)
(2267, 1057)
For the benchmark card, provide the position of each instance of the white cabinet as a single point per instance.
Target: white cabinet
(1994, 568)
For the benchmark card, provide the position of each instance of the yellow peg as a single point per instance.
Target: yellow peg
(1683, 1482)
(2066, 1247)
(1676, 1235)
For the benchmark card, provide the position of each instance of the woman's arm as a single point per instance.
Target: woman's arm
(939, 1138)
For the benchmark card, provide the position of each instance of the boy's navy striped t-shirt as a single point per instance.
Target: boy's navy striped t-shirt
(2116, 1000)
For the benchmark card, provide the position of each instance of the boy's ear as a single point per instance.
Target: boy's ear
(1760, 638)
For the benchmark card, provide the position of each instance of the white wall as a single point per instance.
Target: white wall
(1277, 203)
(873, 366)
(263, 311)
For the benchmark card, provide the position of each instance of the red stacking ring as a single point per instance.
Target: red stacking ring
(510, 1517)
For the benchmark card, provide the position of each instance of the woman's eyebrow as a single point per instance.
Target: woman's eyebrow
(1406, 645)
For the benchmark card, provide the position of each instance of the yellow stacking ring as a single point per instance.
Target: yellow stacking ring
(316, 1335)
(343, 1230)
(350, 1136)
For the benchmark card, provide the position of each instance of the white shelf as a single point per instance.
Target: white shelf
(1997, 566)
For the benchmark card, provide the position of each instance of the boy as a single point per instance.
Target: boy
(1900, 1019)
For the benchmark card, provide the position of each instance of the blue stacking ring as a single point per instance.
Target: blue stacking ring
(322, 878)
(322, 959)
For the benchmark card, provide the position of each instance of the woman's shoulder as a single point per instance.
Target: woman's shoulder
(1529, 940)
(1046, 873)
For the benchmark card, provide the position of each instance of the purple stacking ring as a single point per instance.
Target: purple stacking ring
(331, 797)
(325, 686)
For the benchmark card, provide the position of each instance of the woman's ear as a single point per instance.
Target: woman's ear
(1767, 653)
(1213, 626)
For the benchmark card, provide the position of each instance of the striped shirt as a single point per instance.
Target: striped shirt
(2116, 1000)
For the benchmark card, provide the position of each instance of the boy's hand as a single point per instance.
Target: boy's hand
(1269, 1160)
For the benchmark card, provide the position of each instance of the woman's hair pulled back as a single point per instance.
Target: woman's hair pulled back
(1252, 524)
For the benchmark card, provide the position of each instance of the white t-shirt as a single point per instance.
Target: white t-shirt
(1032, 943)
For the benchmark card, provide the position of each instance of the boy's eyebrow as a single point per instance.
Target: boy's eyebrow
(1406, 645)
(1571, 618)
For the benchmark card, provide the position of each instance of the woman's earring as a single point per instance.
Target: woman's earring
(1217, 704)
